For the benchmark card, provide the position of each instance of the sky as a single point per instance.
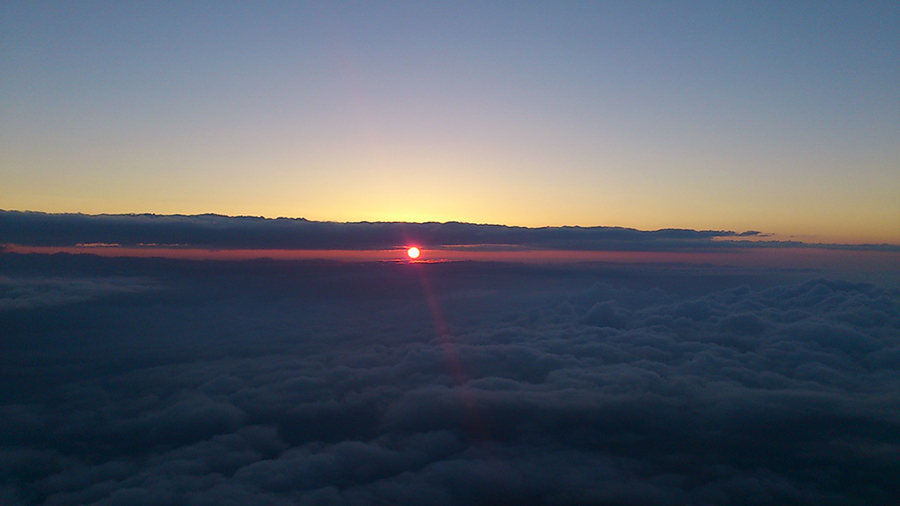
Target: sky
(660, 253)
(780, 118)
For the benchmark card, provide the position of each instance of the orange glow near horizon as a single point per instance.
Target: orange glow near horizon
(413, 252)
(217, 254)
(819, 258)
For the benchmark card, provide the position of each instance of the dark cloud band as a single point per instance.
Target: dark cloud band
(215, 231)
(226, 232)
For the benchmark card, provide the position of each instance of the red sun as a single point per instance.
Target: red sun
(413, 252)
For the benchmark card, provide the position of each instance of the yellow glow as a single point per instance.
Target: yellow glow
(468, 188)
(413, 252)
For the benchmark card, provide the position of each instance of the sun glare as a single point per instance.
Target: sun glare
(413, 252)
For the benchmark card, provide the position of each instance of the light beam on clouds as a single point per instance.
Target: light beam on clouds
(448, 345)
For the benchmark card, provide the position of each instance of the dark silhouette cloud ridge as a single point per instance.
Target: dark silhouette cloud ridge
(215, 231)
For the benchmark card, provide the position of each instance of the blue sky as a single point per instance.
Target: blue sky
(777, 117)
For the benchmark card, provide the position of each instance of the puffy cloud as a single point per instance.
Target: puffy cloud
(274, 383)
(28, 292)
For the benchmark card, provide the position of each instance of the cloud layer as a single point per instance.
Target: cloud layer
(277, 383)
(215, 231)
(27, 292)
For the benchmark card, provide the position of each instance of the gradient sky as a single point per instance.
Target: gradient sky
(773, 116)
